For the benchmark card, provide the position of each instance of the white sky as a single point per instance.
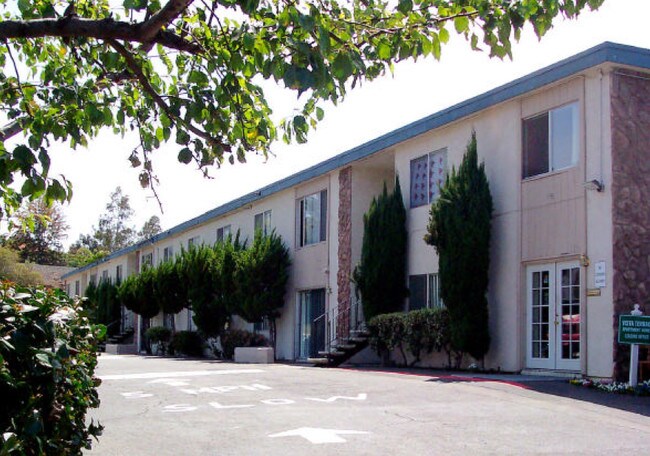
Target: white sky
(416, 90)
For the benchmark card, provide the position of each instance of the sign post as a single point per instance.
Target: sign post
(634, 329)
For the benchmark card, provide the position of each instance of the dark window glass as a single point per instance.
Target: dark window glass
(418, 291)
(536, 146)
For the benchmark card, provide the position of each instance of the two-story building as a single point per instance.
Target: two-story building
(566, 151)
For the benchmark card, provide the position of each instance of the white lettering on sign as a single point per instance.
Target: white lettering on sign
(136, 395)
(179, 408)
(317, 435)
(600, 276)
(358, 397)
(219, 406)
(225, 389)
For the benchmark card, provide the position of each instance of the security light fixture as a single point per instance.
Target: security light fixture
(594, 184)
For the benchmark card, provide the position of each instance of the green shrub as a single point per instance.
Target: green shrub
(387, 332)
(48, 355)
(240, 338)
(423, 330)
(157, 334)
(187, 343)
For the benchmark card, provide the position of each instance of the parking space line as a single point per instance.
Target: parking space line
(201, 373)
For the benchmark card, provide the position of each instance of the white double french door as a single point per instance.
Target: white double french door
(553, 316)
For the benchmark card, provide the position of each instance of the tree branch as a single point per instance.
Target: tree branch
(133, 65)
(101, 29)
(166, 15)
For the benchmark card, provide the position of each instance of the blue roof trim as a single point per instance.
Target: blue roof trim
(605, 52)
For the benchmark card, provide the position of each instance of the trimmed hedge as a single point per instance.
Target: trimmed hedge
(419, 331)
(187, 343)
(48, 355)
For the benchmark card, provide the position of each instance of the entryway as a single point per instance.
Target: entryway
(553, 316)
(311, 323)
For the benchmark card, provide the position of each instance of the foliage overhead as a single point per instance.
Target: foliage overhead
(189, 72)
(381, 274)
(459, 228)
(37, 232)
(78, 257)
(48, 355)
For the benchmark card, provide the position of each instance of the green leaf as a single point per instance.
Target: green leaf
(185, 155)
(135, 4)
(461, 23)
(405, 6)
(342, 66)
(320, 114)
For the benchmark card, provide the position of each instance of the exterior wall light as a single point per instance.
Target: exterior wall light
(594, 184)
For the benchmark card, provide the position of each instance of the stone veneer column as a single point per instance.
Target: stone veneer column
(344, 272)
(630, 119)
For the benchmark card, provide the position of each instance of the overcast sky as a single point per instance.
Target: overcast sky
(416, 90)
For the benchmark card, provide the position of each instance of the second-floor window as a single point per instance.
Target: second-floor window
(193, 241)
(428, 174)
(118, 273)
(263, 222)
(312, 216)
(105, 276)
(168, 253)
(147, 261)
(550, 141)
(223, 233)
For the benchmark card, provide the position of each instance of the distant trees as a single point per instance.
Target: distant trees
(150, 228)
(114, 231)
(459, 229)
(37, 233)
(12, 270)
(381, 274)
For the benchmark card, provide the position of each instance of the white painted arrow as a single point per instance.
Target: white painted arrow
(318, 435)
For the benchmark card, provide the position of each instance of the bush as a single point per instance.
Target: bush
(420, 331)
(157, 334)
(187, 343)
(240, 338)
(48, 355)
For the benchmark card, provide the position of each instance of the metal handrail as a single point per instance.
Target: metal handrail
(332, 318)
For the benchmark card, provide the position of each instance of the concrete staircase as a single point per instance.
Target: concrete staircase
(342, 350)
(122, 338)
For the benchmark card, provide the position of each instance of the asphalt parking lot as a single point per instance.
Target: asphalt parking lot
(164, 406)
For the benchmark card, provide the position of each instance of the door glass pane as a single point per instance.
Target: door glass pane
(570, 315)
(540, 302)
(312, 323)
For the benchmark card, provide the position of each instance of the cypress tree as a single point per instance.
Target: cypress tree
(380, 275)
(459, 228)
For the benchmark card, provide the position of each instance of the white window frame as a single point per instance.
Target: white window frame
(432, 291)
(146, 260)
(223, 233)
(318, 231)
(168, 253)
(263, 221)
(429, 157)
(552, 141)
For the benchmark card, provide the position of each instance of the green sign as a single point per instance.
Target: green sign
(633, 329)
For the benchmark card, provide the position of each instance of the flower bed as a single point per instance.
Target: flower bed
(642, 389)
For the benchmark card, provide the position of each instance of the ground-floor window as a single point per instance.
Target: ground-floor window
(311, 323)
(424, 291)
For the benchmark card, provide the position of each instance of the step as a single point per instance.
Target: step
(344, 347)
(319, 361)
(359, 333)
(331, 353)
(358, 340)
